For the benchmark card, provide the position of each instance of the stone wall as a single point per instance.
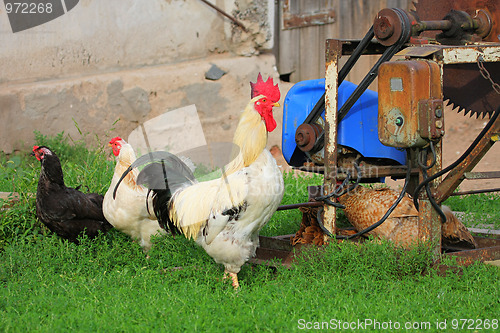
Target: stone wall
(106, 66)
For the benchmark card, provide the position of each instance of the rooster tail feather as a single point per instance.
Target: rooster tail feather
(161, 207)
(170, 160)
(163, 180)
(163, 175)
(147, 201)
(171, 170)
(120, 180)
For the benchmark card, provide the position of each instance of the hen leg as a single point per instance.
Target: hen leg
(234, 278)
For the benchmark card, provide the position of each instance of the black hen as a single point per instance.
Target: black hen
(64, 210)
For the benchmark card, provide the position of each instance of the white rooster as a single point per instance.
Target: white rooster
(128, 211)
(223, 215)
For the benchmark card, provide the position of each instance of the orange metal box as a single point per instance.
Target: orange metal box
(410, 94)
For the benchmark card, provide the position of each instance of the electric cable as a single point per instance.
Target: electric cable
(340, 190)
(382, 220)
(422, 162)
(459, 160)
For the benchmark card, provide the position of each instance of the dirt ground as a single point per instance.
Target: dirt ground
(460, 131)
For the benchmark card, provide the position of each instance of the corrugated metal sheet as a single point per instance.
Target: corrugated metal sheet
(301, 48)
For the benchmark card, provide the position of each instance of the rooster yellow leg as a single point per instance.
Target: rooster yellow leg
(234, 278)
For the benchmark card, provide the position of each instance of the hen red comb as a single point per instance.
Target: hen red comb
(35, 147)
(115, 139)
(266, 88)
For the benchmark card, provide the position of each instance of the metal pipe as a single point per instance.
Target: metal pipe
(220, 11)
(298, 205)
(433, 25)
(488, 190)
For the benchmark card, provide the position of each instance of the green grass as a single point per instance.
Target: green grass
(108, 285)
(483, 208)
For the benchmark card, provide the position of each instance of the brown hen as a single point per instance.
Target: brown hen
(364, 207)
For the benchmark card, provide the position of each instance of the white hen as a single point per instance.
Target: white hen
(127, 212)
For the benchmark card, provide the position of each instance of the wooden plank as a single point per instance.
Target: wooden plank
(301, 50)
(484, 231)
(309, 13)
(288, 60)
(494, 263)
(9, 196)
(309, 62)
(309, 40)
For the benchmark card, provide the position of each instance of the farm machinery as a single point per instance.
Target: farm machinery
(444, 53)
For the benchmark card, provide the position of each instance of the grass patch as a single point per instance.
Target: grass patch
(286, 222)
(107, 284)
(484, 208)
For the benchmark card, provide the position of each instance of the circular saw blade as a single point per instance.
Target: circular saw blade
(468, 90)
(463, 84)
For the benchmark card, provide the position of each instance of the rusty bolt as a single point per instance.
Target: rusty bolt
(306, 135)
(388, 26)
(439, 112)
(484, 23)
(383, 27)
(302, 138)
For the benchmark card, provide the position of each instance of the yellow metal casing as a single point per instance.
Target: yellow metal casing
(409, 103)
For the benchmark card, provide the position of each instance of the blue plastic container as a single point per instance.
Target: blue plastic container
(358, 130)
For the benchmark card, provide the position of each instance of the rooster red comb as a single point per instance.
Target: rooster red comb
(115, 139)
(266, 88)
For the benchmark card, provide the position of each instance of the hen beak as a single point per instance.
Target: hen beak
(276, 104)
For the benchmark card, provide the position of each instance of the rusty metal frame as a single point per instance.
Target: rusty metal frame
(277, 251)
(457, 175)
(333, 55)
(429, 223)
(452, 55)
(429, 220)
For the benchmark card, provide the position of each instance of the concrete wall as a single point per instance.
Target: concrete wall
(113, 104)
(98, 36)
(108, 65)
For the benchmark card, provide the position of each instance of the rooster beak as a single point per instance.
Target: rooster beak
(32, 153)
(110, 145)
(276, 104)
